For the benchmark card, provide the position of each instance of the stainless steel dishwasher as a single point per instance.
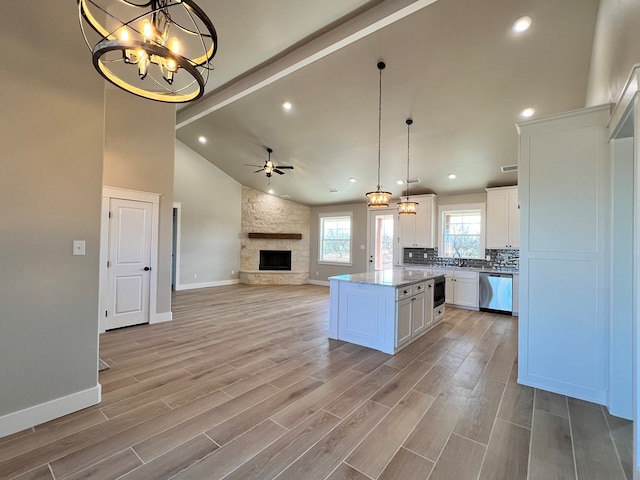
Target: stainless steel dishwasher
(496, 292)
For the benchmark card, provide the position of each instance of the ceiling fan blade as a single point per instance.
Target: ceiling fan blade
(258, 171)
(252, 165)
(285, 166)
(278, 171)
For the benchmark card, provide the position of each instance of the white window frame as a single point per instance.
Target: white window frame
(444, 209)
(322, 216)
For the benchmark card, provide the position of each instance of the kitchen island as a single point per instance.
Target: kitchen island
(384, 310)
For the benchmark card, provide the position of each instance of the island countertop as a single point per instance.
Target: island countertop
(395, 277)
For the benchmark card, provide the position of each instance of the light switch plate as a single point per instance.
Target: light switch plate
(79, 247)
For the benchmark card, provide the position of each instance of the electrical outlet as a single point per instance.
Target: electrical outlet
(426, 255)
(195, 275)
(232, 272)
(410, 255)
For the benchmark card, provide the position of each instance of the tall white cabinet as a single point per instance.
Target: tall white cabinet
(503, 218)
(564, 189)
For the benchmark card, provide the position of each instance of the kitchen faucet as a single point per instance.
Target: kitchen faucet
(459, 258)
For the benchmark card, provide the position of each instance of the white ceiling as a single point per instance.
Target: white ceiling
(453, 66)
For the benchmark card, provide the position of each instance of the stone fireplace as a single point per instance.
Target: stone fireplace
(272, 224)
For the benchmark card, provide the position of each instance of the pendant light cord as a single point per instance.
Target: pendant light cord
(381, 66)
(409, 122)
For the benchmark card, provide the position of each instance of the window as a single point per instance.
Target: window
(462, 231)
(335, 238)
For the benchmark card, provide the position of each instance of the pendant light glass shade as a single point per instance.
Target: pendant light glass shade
(379, 198)
(156, 49)
(408, 207)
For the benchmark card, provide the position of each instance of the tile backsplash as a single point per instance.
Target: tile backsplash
(429, 257)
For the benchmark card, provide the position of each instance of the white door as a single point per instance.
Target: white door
(381, 245)
(129, 262)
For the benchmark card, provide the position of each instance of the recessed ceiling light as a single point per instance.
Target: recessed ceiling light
(202, 140)
(522, 24)
(287, 106)
(352, 180)
(270, 191)
(400, 182)
(528, 112)
(451, 176)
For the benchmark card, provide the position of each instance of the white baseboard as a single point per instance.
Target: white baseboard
(161, 317)
(323, 283)
(219, 283)
(32, 416)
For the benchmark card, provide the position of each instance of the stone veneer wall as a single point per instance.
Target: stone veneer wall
(266, 213)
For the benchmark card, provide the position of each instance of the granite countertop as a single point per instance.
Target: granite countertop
(397, 277)
(513, 270)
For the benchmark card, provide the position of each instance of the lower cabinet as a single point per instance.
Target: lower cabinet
(414, 312)
(461, 288)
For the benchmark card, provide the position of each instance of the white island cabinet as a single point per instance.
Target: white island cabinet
(384, 310)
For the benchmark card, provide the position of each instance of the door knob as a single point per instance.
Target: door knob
(146, 269)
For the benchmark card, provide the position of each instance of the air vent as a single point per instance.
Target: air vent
(413, 180)
(332, 190)
(509, 168)
(285, 196)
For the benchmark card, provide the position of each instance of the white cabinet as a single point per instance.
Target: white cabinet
(382, 317)
(503, 218)
(414, 311)
(564, 323)
(417, 230)
(461, 288)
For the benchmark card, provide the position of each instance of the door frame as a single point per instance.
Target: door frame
(125, 194)
(175, 248)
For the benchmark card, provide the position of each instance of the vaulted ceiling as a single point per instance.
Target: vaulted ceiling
(454, 66)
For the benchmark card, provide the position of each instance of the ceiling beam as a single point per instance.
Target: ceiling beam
(368, 22)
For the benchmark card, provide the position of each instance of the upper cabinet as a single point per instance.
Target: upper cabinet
(503, 218)
(418, 230)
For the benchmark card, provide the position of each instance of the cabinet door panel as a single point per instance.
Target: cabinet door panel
(418, 310)
(514, 219)
(466, 292)
(498, 219)
(403, 321)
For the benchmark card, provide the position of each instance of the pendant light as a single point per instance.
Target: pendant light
(156, 49)
(379, 199)
(407, 207)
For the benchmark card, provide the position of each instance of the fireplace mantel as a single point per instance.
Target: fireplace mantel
(276, 236)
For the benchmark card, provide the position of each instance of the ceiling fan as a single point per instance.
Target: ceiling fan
(269, 168)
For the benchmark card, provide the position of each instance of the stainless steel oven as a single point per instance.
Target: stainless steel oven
(438, 291)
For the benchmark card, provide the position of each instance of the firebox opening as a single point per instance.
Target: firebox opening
(275, 260)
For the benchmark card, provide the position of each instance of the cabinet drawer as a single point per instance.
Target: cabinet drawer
(419, 287)
(404, 292)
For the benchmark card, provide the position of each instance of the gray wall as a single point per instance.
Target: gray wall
(616, 48)
(211, 219)
(139, 151)
(50, 191)
(319, 272)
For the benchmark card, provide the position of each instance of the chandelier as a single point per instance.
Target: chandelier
(379, 199)
(156, 49)
(407, 207)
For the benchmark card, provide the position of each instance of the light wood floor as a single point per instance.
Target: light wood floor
(243, 384)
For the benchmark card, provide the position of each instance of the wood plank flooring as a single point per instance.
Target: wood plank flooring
(244, 384)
